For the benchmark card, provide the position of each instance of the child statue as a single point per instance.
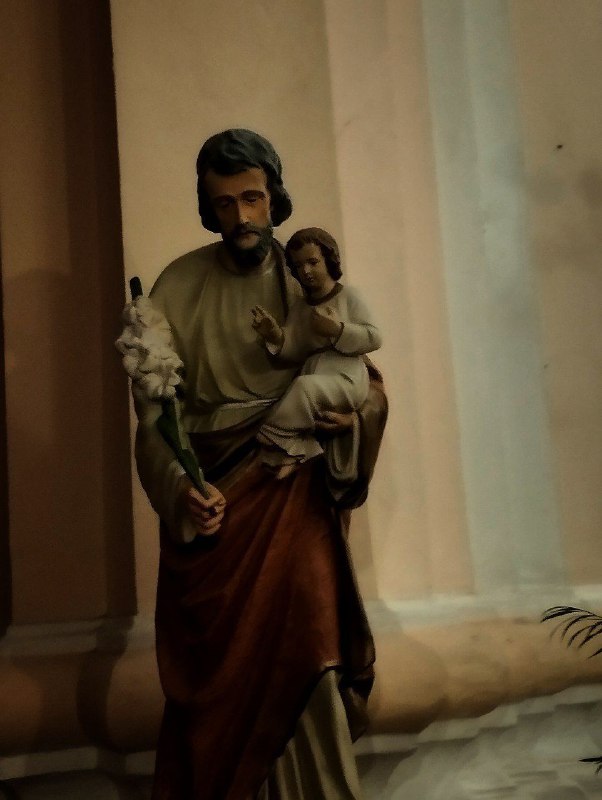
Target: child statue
(327, 331)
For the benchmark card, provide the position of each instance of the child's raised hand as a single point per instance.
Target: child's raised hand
(325, 322)
(265, 325)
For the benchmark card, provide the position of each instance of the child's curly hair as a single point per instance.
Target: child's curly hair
(326, 243)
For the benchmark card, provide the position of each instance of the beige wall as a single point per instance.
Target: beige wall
(354, 129)
(558, 66)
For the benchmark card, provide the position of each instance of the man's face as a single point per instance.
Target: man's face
(242, 205)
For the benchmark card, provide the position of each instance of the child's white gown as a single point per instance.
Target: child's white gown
(334, 377)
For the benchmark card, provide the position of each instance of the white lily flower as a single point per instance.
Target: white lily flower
(146, 345)
(130, 364)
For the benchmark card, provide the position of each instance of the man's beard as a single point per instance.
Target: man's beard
(249, 256)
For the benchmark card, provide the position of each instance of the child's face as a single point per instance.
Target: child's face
(311, 268)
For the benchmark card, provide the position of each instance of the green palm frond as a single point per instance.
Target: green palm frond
(570, 617)
(577, 626)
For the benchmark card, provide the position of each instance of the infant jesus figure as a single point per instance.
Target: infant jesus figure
(327, 331)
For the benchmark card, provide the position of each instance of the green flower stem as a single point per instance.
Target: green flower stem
(176, 438)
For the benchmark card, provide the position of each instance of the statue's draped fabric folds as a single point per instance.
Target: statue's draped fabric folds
(246, 626)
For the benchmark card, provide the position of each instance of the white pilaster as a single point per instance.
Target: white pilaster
(493, 315)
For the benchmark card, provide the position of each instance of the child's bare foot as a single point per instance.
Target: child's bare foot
(285, 470)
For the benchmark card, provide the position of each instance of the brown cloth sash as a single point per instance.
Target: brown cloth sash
(246, 628)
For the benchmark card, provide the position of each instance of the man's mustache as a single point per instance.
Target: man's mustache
(246, 227)
(249, 256)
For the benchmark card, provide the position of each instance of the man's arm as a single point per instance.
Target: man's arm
(368, 424)
(170, 492)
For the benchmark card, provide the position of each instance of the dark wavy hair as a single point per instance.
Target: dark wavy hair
(231, 152)
(326, 243)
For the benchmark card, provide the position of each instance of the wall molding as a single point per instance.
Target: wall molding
(56, 638)
(449, 670)
(77, 759)
(503, 603)
(465, 759)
